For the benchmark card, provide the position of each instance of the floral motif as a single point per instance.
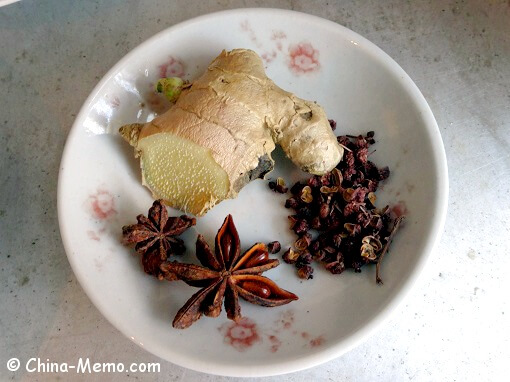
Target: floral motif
(268, 57)
(113, 101)
(102, 205)
(246, 27)
(275, 343)
(277, 36)
(317, 341)
(241, 335)
(245, 333)
(399, 209)
(172, 68)
(286, 320)
(303, 58)
(93, 235)
(155, 102)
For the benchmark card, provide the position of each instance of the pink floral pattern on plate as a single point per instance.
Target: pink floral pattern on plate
(278, 36)
(171, 68)
(246, 27)
(155, 102)
(304, 58)
(93, 235)
(112, 101)
(101, 207)
(399, 209)
(241, 335)
(246, 333)
(268, 57)
(102, 204)
(317, 341)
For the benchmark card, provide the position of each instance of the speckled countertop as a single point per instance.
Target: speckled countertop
(456, 323)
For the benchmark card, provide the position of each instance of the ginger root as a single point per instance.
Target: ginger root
(221, 131)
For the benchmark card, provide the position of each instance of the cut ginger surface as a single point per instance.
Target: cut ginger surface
(182, 173)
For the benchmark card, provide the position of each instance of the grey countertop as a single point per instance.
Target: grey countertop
(456, 323)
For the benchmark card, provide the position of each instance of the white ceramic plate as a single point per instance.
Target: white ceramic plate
(7, 2)
(360, 87)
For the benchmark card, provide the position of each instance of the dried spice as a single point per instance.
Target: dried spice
(290, 256)
(340, 205)
(155, 237)
(305, 272)
(332, 123)
(305, 258)
(396, 224)
(274, 247)
(278, 186)
(303, 242)
(306, 194)
(226, 275)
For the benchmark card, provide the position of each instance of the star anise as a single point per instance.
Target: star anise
(155, 237)
(226, 275)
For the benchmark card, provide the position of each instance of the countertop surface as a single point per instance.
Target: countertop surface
(455, 325)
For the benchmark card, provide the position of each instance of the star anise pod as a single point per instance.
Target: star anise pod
(155, 237)
(226, 275)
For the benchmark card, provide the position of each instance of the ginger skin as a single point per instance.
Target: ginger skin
(230, 118)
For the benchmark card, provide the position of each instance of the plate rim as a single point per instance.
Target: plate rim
(355, 339)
